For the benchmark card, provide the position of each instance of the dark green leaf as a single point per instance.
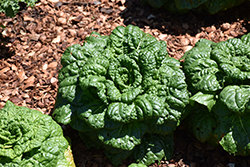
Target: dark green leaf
(207, 100)
(125, 137)
(117, 88)
(154, 148)
(214, 6)
(189, 4)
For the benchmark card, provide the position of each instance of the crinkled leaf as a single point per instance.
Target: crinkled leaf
(233, 57)
(125, 40)
(71, 54)
(228, 105)
(165, 124)
(154, 148)
(246, 39)
(236, 98)
(30, 138)
(93, 114)
(202, 72)
(121, 112)
(95, 40)
(125, 137)
(207, 100)
(63, 114)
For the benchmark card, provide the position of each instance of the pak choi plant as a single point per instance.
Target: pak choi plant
(30, 138)
(123, 93)
(218, 76)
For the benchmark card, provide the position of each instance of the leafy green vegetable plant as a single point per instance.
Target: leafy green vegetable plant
(123, 93)
(31, 138)
(11, 7)
(183, 6)
(218, 75)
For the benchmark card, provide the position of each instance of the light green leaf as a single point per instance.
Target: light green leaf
(207, 100)
(137, 165)
(30, 138)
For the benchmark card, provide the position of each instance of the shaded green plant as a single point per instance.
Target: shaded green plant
(218, 76)
(11, 7)
(183, 6)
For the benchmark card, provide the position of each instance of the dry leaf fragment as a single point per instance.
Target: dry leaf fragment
(6, 92)
(4, 70)
(27, 18)
(13, 67)
(40, 104)
(30, 82)
(57, 39)
(34, 37)
(53, 65)
(163, 36)
(16, 100)
(184, 41)
(62, 21)
(53, 80)
(44, 67)
(3, 76)
(21, 76)
(4, 98)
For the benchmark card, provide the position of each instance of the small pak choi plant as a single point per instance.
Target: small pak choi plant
(218, 76)
(31, 138)
(123, 93)
(11, 7)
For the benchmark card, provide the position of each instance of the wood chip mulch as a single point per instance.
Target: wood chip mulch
(33, 42)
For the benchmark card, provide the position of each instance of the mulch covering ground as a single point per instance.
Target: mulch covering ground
(33, 42)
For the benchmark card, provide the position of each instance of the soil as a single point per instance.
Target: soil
(33, 42)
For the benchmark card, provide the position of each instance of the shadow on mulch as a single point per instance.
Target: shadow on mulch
(175, 24)
(5, 51)
(84, 156)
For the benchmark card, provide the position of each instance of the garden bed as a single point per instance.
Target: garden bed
(33, 42)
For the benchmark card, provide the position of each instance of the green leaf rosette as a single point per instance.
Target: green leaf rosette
(218, 75)
(31, 138)
(116, 89)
